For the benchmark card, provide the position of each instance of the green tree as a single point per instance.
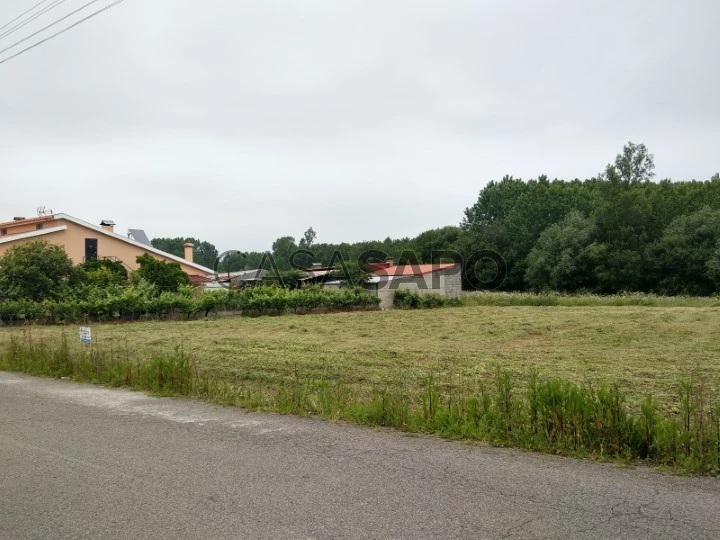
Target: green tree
(634, 165)
(435, 240)
(308, 238)
(713, 267)
(174, 246)
(685, 258)
(290, 279)
(102, 272)
(204, 253)
(164, 275)
(35, 271)
(510, 215)
(282, 250)
(559, 261)
(350, 273)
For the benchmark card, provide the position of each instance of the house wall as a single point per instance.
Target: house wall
(19, 229)
(26, 226)
(445, 283)
(73, 241)
(452, 282)
(386, 295)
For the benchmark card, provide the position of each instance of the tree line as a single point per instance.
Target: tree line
(618, 231)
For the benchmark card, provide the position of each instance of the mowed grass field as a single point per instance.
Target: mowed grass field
(643, 349)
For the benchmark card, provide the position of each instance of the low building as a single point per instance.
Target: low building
(229, 280)
(318, 274)
(83, 241)
(443, 279)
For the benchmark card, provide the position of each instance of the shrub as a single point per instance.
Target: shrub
(35, 271)
(115, 302)
(102, 272)
(408, 299)
(166, 276)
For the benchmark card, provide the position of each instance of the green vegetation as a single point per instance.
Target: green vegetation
(493, 298)
(643, 349)
(128, 303)
(204, 253)
(501, 406)
(35, 271)
(617, 232)
(102, 273)
(163, 275)
(407, 299)
(39, 284)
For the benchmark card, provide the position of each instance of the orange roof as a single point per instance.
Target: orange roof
(196, 279)
(27, 221)
(413, 269)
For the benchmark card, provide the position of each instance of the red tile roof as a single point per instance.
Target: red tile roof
(413, 269)
(197, 279)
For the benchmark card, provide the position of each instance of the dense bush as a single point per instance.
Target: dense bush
(407, 299)
(35, 271)
(164, 275)
(115, 302)
(101, 272)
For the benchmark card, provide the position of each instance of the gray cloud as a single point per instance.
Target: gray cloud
(361, 118)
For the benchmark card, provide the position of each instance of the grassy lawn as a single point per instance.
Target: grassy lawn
(643, 349)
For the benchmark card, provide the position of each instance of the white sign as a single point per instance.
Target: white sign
(85, 335)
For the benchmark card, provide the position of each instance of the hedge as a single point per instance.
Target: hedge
(142, 300)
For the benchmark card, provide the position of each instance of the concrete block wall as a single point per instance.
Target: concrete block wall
(447, 283)
(452, 282)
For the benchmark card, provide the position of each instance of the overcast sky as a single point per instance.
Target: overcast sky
(241, 121)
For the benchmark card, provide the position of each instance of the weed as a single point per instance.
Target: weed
(548, 415)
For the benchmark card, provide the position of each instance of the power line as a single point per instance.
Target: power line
(23, 14)
(94, 14)
(30, 19)
(48, 26)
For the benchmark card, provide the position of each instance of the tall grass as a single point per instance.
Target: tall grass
(491, 298)
(549, 415)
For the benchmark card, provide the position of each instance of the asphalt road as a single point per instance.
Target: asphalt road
(80, 461)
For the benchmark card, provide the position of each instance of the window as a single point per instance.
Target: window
(91, 249)
(38, 226)
(3, 232)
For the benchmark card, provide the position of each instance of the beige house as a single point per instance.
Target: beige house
(83, 241)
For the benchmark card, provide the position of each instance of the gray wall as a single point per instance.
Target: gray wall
(447, 283)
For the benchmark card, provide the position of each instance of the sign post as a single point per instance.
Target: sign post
(85, 334)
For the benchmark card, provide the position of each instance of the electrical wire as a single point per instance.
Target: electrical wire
(30, 19)
(23, 14)
(48, 26)
(94, 14)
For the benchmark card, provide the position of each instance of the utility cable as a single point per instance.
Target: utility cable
(23, 14)
(48, 26)
(94, 14)
(31, 18)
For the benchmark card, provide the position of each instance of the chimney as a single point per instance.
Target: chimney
(390, 262)
(188, 251)
(108, 225)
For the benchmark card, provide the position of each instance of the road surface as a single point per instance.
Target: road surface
(80, 461)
